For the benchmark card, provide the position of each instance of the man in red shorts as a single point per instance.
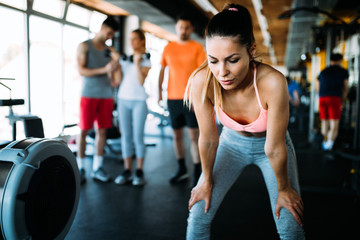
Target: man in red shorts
(96, 104)
(333, 88)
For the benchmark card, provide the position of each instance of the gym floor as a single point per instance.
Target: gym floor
(158, 211)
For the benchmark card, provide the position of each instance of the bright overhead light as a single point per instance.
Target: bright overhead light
(264, 29)
(207, 6)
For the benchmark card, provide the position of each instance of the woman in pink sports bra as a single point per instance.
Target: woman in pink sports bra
(251, 101)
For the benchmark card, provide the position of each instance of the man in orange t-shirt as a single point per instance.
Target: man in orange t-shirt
(182, 57)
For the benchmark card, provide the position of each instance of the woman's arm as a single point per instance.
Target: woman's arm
(141, 72)
(116, 77)
(208, 140)
(275, 145)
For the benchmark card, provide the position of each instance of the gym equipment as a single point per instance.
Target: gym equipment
(131, 57)
(11, 102)
(39, 189)
(32, 124)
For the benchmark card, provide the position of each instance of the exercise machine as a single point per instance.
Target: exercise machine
(39, 189)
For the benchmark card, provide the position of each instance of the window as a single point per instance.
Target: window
(155, 46)
(72, 80)
(55, 85)
(96, 20)
(21, 4)
(78, 15)
(53, 8)
(12, 65)
(46, 73)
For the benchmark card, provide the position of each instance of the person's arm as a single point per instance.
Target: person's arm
(345, 90)
(296, 100)
(208, 140)
(141, 72)
(161, 80)
(275, 145)
(116, 75)
(317, 83)
(89, 72)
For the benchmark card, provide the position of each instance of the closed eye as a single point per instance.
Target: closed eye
(212, 60)
(234, 60)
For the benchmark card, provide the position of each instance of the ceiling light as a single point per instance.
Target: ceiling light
(264, 29)
(206, 6)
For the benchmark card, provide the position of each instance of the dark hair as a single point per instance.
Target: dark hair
(233, 21)
(185, 17)
(111, 22)
(140, 33)
(336, 57)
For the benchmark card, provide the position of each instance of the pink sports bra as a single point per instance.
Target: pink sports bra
(259, 125)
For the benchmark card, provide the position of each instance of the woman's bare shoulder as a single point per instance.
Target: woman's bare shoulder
(269, 78)
(197, 80)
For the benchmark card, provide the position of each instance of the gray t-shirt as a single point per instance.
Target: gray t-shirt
(96, 86)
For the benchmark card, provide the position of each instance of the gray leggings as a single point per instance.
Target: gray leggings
(132, 117)
(234, 153)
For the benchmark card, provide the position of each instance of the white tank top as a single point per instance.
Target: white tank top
(130, 88)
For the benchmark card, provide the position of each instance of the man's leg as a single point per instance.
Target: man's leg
(98, 172)
(179, 146)
(100, 140)
(104, 119)
(81, 144)
(87, 115)
(194, 138)
(324, 132)
(333, 133)
(334, 116)
(324, 117)
(325, 127)
(179, 143)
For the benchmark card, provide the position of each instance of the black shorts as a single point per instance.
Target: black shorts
(180, 115)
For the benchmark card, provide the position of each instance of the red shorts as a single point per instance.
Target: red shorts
(96, 110)
(330, 108)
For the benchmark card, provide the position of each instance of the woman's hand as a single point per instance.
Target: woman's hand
(290, 200)
(202, 191)
(137, 58)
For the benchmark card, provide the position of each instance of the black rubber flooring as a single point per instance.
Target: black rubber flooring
(158, 211)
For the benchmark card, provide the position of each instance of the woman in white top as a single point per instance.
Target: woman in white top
(132, 108)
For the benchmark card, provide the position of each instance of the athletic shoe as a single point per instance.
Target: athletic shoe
(180, 175)
(323, 146)
(100, 175)
(138, 178)
(82, 176)
(123, 178)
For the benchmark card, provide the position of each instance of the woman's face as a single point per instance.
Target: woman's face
(136, 42)
(228, 60)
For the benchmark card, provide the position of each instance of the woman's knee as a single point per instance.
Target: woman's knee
(199, 222)
(288, 228)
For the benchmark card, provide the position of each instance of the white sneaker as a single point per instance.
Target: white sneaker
(100, 175)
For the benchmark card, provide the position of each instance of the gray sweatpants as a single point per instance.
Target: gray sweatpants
(234, 153)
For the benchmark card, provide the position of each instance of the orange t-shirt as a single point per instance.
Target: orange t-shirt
(182, 60)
